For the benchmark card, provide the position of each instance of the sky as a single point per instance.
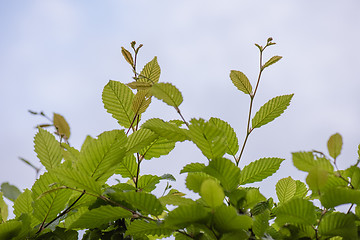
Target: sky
(56, 56)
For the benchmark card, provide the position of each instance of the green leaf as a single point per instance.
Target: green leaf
(139, 85)
(48, 149)
(301, 189)
(117, 99)
(151, 72)
(128, 167)
(317, 179)
(168, 93)
(46, 207)
(186, 215)
(61, 125)
(141, 101)
(271, 61)
(296, 211)
(305, 161)
(127, 55)
(336, 196)
(60, 234)
(148, 183)
(338, 224)
(227, 220)
(176, 199)
(193, 167)
(225, 171)
(3, 209)
(285, 189)
(77, 179)
(139, 140)
(260, 169)
(334, 145)
(99, 216)
(141, 228)
(11, 192)
(22, 203)
(240, 81)
(102, 156)
(208, 138)
(355, 176)
(167, 130)
(212, 193)
(146, 202)
(160, 146)
(231, 140)
(195, 180)
(261, 223)
(271, 110)
(9, 229)
(253, 197)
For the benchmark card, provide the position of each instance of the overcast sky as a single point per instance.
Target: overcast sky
(56, 56)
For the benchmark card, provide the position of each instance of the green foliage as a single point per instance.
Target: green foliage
(75, 192)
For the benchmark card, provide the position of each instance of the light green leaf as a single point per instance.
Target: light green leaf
(151, 72)
(145, 202)
(168, 93)
(186, 215)
(195, 180)
(141, 101)
(305, 161)
(127, 55)
(139, 140)
(334, 145)
(10, 229)
(285, 189)
(226, 220)
(117, 99)
(296, 211)
(231, 140)
(48, 149)
(141, 228)
(176, 199)
(61, 125)
(46, 207)
(3, 209)
(225, 171)
(167, 130)
(22, 204)
(271, 61)
(317, 179)
(208, 138)
(212, 193)
(148, 183)
(193, 167)
(260, 169)
(338, 224)
(253, 197)
(77, 179)
(261, 223)
(271, 110)
(11, 192)
(70, 154)
(102, 156)
(99, 216)
(160, 146)
(336, 196)
(127, 167)
(355, 176)
(240, 81)
(139, 85)
(301, 189)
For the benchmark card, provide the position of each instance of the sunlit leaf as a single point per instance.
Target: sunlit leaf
(212, 193)
(305, 161)
(117, 99)
(61, 125)
(240, 81)
(194, 181)
(128, 167)
(141, 101)
(208, 138)
(338, 224)
(186, 215)
(317, 178)
(296, 211)
(141, 228)
(334, 145)
(139, 140)
(231, 140)
(160, 146)
(271, 110)
(336, 196)
(271, 61)
(148, 183)
(151, 72)
(11, 192)
(48, 149)
(193, 167)
(127, 55)
(225, 171)
(167, 130)
(301, 189)
(168, 93)
(260, 169)
(285, 189)
(176, 199)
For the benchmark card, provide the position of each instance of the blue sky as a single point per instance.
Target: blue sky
(56, 56)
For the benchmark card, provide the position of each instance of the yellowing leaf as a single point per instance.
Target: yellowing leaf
(127, 55)
(61, 125)
(271, 61)
(168, 93)
(240, 81)
(151, 72)
(334, 145)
